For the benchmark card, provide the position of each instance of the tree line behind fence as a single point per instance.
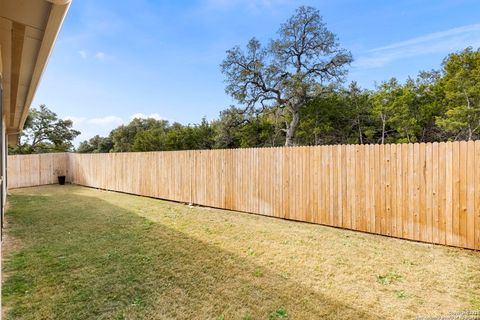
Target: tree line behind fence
(426, 192)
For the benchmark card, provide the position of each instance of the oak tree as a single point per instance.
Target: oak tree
(45, 132)
(297, 66)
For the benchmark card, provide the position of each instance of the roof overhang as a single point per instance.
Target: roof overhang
(28, 29)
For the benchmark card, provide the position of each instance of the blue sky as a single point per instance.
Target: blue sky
(114, 60)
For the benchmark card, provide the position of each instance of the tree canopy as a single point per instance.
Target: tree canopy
(291, 70)
(291, 91)
(438, 105)
(460, 86)
(45, 132)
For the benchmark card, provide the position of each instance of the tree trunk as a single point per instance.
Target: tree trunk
(383, 129)
(360, 134)
(292, 128)
(470, 133)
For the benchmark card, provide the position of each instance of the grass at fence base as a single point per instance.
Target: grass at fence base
(79, 253)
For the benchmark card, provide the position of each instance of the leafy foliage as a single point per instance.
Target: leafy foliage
(96, 144)
(290, 92)
(291, 70)
(434, 106)
(461, 87)
(45, 132)
(123, 137)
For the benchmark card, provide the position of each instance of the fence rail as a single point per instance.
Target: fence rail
(426, 192)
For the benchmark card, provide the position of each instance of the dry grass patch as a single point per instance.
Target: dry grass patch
(93, 254)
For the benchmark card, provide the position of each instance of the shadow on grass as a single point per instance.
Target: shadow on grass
(84, 258)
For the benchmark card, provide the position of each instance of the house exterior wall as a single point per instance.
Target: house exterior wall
(28, 30)
(3, 151)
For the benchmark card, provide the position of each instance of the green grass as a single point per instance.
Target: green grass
(79, 253)
(389, 278)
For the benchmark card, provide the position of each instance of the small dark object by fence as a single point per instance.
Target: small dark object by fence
(61, 180)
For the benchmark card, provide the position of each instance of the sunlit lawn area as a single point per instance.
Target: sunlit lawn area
(77, 253)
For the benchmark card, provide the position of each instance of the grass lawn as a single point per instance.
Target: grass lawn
(77, 253)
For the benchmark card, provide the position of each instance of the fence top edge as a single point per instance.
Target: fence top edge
(389, 145)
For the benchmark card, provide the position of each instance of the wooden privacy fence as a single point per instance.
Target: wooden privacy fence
(425, 192)
(35, 169)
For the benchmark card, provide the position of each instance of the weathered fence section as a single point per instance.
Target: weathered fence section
(425, 192)
(35, 169)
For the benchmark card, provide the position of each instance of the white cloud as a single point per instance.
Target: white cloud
(155, 116)
(90, 127)
(100, 55)
(83, 54)
(442, 42)
(76, 120)
(106, 121)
